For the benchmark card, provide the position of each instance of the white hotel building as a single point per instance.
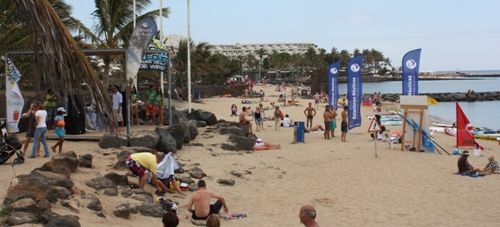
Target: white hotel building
(238, 49)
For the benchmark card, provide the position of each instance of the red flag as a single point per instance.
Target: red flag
(465, 131)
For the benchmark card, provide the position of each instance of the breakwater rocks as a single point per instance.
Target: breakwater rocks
(470, 96)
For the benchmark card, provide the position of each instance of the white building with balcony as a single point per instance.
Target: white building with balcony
(236, 50)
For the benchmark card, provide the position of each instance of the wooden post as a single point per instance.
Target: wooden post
(404, 130)
(419, 142)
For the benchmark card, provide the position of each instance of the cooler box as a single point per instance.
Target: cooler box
(299, 131)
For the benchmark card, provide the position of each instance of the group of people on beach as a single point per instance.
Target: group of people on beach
(39, 120)
(466, 169)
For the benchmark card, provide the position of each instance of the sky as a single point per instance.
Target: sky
(453, 34)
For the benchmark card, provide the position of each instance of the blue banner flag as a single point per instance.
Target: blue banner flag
(411, 63)
(354, 91)
(333, 78)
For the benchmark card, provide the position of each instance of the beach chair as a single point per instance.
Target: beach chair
(391, 139)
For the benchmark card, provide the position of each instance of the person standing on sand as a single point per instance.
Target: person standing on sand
(257, 116)
(333, 123)
(278, 115)
(316, 100)
(40, 132)
(307, 216)
(343, 125)
(30, 133)
(310, 112)
(327, 117)
(244, 119)
(117, 105)
(199, 204)
(59, 129)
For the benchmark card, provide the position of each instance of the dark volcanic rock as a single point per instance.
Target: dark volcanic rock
(111, 141)
(167, 141)
(117, 178)
(21, 217)
(86, 161)
(239, 143)
(95, 204)
(233, 130)
(193, 129)
(144, 138)
(201, 124)
(122, 211)
(152, 210)
(31, 186)
(99, 183)
(227, 182)
(26, 204)
(67, 161)
(64, 221)
(110, 192)
(196, 173)
(178, 131)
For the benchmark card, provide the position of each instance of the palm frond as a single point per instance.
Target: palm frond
(59, 57)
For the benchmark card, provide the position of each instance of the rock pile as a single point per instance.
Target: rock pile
(30, 197)
(470, 96)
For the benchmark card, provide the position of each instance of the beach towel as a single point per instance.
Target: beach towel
(167, 166)
(232, 216)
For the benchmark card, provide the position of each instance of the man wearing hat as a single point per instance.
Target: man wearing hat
(464, 167)
(59, 128)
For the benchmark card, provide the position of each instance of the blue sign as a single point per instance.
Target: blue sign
(354, 91)
(411, 63)
(333, 79)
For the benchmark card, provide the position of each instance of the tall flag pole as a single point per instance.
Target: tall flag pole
(354, 91)
(333, 77)
(13, 96)
(411, 63)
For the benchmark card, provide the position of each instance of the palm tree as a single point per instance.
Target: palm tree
(115, 25)
(15, 35)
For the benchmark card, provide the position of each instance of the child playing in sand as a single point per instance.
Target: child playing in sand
(59, 128)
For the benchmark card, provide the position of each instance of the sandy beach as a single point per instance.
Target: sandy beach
(344, 181)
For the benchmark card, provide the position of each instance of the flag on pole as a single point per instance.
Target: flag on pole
(465, 131)
(13, 96)
(139, 41)
(411, 63)
(354, 91)
(333, 77)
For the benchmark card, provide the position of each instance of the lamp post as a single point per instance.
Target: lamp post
(189, 55)
(162, 87)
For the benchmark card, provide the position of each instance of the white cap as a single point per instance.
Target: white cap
(61, 109)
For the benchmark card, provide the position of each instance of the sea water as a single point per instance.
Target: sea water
(481, 114)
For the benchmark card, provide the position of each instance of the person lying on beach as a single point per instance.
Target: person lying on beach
(142, 163)
(492, 167)
(261, 145)
(199, 204)
(314, 128)
(464, 166)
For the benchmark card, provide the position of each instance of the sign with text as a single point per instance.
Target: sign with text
(354, 90)
(155, 61)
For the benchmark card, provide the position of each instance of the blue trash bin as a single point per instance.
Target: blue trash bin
(299, 131)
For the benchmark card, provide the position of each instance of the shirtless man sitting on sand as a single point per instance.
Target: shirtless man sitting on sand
(199, 204)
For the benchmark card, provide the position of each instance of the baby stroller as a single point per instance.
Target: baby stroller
(9, 145)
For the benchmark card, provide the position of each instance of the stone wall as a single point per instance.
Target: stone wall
(452, 97)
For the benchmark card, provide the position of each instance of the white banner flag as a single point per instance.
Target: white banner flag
(15, 101)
